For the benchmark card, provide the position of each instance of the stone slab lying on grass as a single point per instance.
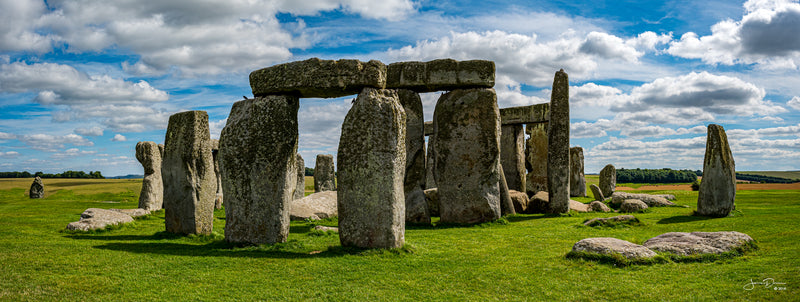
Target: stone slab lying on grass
(578, 206)
(651, 200)
(132, 212)
(697, 243)
(318, 78)
(326, 228)
(669, 197)
(632, 206)
(314, 207)
(94, 218)
(608, 246)
(608, 220)
(599, 206)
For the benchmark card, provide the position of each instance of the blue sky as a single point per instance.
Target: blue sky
(82, 81)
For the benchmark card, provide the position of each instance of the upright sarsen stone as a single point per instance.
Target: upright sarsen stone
(215, 154)
(467, 154)
(371, 161)
(37, 188)
(430, 181)
(151, 197)
(608, 180)
(257, 157)
(414, 183)
(558, 145)
(300, 187)
(718, 188)
(324, 174)
(577, 179)
(188, 173)
(512, 156)
(536, 158)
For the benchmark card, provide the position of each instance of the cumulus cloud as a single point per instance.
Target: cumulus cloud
(71, 153)
(794, 103)
(50, 143)
(94, 131)
(591, 94)
(4, 136)
(119, 138)
(766, 35)
(16, 29)
(609, 47)
(9, 154)
(765, 132)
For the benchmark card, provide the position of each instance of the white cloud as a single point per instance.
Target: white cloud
(794, 103)
(583, 130)
(9, 154)
(591, 94)
(119, 138)
(765, 132)
(4, 135)
(16, 29)
(609, 47)
(215, 128)
(71, 153)
(51, 143)
(766, 35)
(94, 131)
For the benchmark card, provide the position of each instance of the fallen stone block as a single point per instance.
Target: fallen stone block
(94, 218)
(608, 246)
(314, 206)
(697, 243)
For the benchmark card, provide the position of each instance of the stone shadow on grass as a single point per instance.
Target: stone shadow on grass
(219, 249)
(682, 219)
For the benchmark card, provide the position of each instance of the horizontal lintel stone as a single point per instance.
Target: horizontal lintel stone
(539, 113)
(439, 75)
(318, 78)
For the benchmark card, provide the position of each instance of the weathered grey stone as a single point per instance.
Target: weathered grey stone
(506, 205)
(315, 206)
(578, 206)
(371, 162)
(604, 221)
(538, 203)
(430, 163)
(717, 193)
(650, 200)
(577, 180)
(324, 174)
(512, 156)
(697, 243)
(37, 188)
(326, 229)
(597, 193)
(467, 155)
(520, 200)
(428, 126)
(94, 218)
(132, 212)
(414, 183)
(608, 180)
(218, 200)
(632, 206)
(318, 78)
(187, 170)
(599, 206)
(300, 184)
(443, 74)
(669, 197)
(558, 145)
(151, 197)
(536, 158)
(432, 198)
(259, 170)
(608, 246)
(539, 113)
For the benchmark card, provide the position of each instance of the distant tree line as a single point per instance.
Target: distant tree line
(765, 179)
(65, 174)
(309, 171)
(664, 175)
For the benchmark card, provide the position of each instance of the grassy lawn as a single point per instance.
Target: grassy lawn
(521, 260)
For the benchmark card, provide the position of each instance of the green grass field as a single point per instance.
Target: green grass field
(521, 260)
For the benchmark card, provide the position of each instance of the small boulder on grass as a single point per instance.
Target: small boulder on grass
(314, 207)
(134, 213)
(698, 243)
(520, 200)
(94, 219)
(578, 206)
(599, 206)
(611, 221)
(610, 246)
(632, 206)
(323, 228)
(651, 200)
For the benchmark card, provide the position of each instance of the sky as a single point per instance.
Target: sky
(81, 82)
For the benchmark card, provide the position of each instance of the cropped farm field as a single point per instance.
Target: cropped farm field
(523, 259)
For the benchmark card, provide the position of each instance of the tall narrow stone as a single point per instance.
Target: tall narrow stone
(467, 127)
(37, 188)
(608, 180)
(506, 205)
(151, 197)
(718, 188)
(536, 158)
(324, 174)
(371, 162)
(215, 154)
(300, 187)
(430, 163)
(512, 156)
(414, 183)
(558, 145)
(187, 170)
(577, 179)
(259, 170)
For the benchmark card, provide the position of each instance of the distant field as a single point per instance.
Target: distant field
(781, 174)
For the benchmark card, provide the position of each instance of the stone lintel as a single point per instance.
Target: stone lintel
(539, 113)
(439, 75)
(314, 78)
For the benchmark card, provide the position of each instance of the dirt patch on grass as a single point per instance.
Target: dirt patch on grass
(751, 186)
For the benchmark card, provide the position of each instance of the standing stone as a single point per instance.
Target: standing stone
(188, 174)
(597, 193)
(151, 197)
(430, 163)
(371, 162)
(37, 188)
(718, 187)
(257, 156)
(536, 158)
(558, 145)
(215, 154)
(608, 180)
(467, 153)
(512, 155)
(414, 183)
(577, 180)
(300, 187)
(324, 174)
(506, 205)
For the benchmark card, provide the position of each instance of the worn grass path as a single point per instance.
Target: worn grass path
(521, 260)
